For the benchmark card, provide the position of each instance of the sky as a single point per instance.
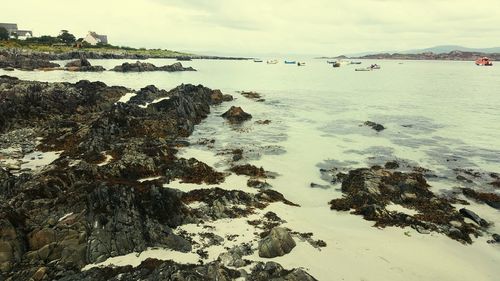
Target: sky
(239, 27)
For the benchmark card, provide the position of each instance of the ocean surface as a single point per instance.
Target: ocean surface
(438, 115)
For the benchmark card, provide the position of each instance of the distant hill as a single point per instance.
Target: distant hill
(449, 48)
(453, 55)
(442, 49)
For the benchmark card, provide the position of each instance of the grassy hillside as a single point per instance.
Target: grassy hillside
(105, 49)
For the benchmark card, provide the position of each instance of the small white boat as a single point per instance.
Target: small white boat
(257, 60)
(272, 62)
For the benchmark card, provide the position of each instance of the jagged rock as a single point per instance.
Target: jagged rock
(278, 243)
(236, 115)
(89, 205)
(145, 66)
(83, 65)
(273, 271)
(82, 62)
(234, 256)
(14, 60)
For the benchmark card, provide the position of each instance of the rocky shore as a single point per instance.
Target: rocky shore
(25, 59)
(145, 66)
(106, 193)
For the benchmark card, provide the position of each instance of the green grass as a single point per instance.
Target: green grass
(107, 49)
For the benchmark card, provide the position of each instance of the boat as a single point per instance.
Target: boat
(374, 66)
(355, 62)
(336, 64)
(257, 60)
(331, 61)
(272, 61)
(363, 69)
(484, 61)
(301, 64)
(290, 62)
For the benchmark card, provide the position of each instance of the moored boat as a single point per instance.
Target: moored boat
(257, 60)
(484, 61)
(363, 69)
(290, 62)
(355, 62)
(336, 64)
(301, 64)
(272, 61)
(374, 66)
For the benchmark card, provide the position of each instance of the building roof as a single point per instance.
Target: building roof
(24, 32)
(9, 26)
(102, 38)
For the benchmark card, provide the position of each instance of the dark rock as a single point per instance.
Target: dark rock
(236, 115)
(315, 185)
(15, 60)
(263, 122)
(391, 165)
(257, 184)
(278, 243)
(253, 96)
(274, 271)
(144, 66)
(249, 170)
(492, 199)
(473, 216)
(496, 237)
(82, 62)
(377, 127)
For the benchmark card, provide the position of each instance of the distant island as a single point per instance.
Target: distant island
(444, 52)
(453, 55)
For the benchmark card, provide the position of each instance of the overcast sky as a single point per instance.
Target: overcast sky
(316, 27)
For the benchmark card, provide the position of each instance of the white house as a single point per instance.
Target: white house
(16, 33)
(93, 38)
(24, 34)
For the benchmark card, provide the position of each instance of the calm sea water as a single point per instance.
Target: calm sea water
(438, 115)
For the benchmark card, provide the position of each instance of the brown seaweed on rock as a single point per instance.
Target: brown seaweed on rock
(368, 191)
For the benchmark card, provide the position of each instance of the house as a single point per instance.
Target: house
(24, 34)
(93, 38)
(14, 32)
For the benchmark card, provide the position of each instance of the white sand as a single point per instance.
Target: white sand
(135, 259)
(149, 179)
(41, 159)
(400, 209)
(154, 101)
(125, 98)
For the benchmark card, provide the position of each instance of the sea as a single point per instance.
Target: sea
(442, 116)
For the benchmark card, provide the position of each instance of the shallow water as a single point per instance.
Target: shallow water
(438, 115)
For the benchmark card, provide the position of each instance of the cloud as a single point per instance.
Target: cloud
(263, 26)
